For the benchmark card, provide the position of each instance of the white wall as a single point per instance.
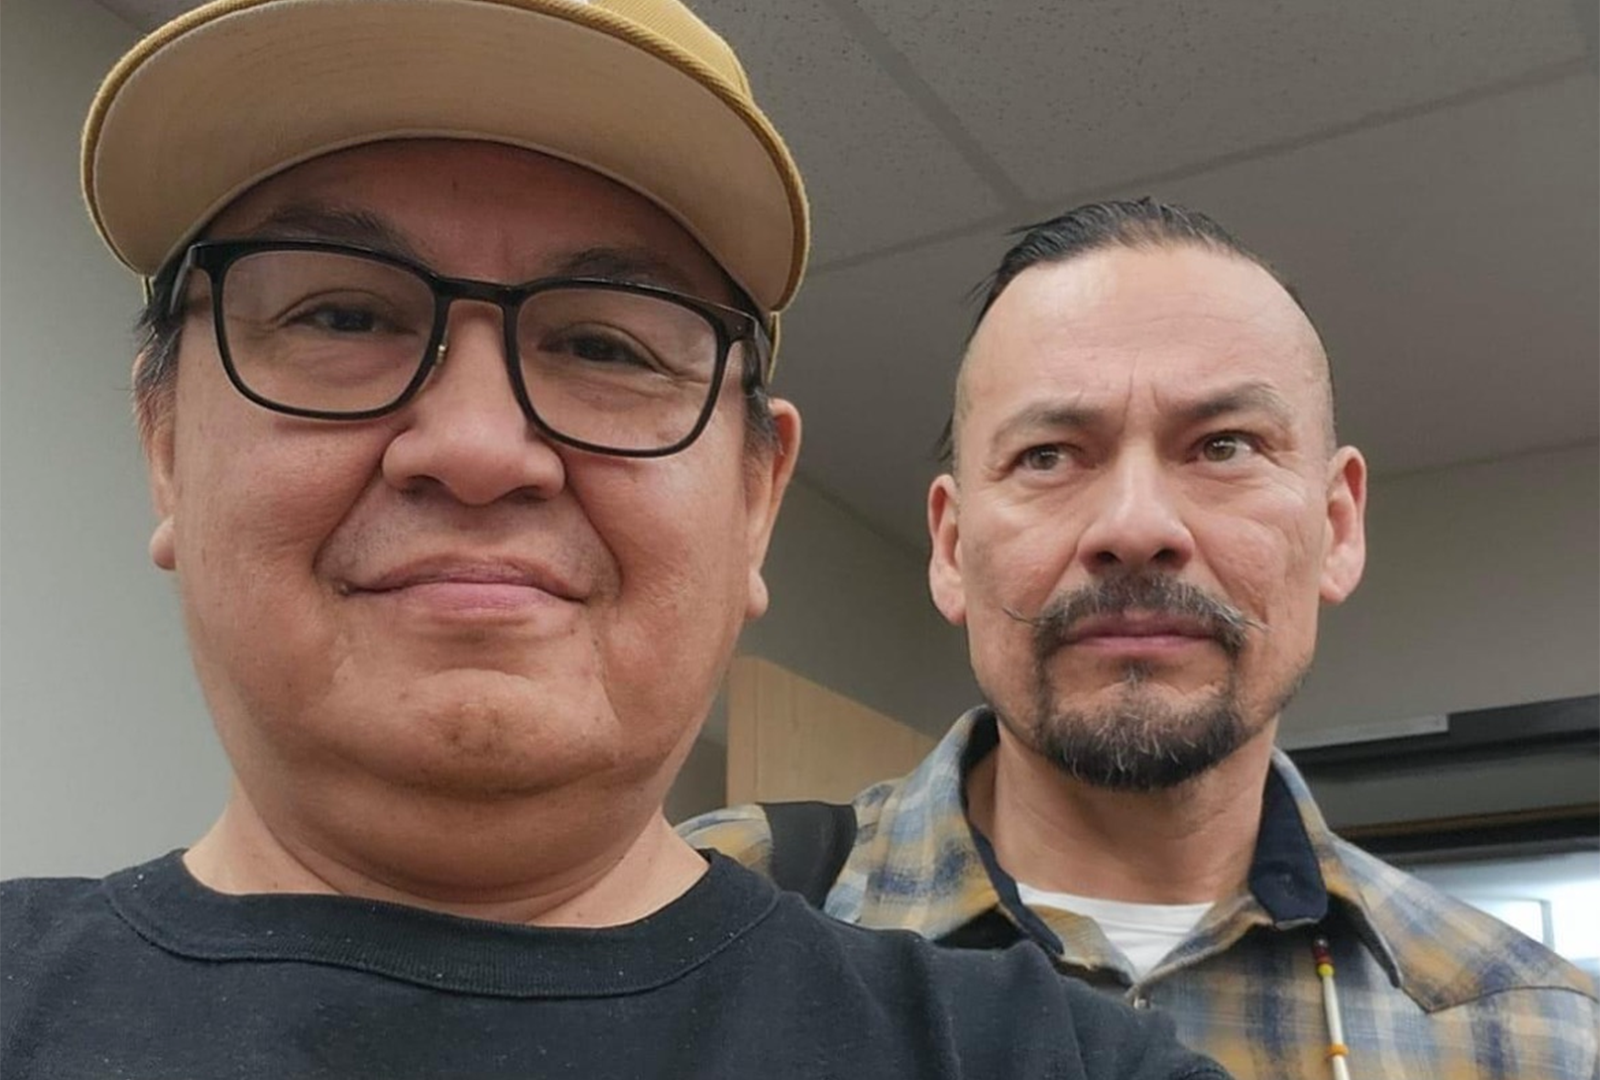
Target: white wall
(1482, 589)
(105, 752)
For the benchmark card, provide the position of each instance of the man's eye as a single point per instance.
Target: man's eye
(604, 349)
(341, 320)
(1042, 458)
(353, 316)
(1226, 446)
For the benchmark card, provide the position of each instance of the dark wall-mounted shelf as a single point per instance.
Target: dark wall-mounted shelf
(1476, 735)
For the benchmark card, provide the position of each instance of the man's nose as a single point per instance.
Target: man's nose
(1136, 519)
(465, 432)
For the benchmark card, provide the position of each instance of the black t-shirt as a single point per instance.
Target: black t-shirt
(148, 973)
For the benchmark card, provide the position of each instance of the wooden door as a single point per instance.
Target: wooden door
(790, 738)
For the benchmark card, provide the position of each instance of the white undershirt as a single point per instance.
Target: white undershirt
(1145, 933)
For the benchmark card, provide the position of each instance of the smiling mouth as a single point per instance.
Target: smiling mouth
(469, 587)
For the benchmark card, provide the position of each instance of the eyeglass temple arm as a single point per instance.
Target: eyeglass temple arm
(771, 333)
(175, 301)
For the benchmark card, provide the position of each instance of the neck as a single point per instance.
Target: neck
(531, 883)
(1185, 845)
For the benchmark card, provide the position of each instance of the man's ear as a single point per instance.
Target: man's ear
(944, 562)
(1345, 555)
(156, 436)
(764, 488)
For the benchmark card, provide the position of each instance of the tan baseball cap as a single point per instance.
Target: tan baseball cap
(640, 91)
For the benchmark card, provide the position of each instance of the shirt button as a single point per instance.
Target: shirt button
(1140, 1001)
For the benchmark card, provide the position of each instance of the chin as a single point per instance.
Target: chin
(1141, 736)
(1159, 765)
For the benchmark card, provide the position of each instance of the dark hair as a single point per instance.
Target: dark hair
(1128, 223)
(156, 371)
(160, 328)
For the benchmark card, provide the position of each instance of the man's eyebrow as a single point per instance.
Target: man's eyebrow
(1252, 397)
(1058, 416)
(1046, 416)
(636, 265)
(319, 221)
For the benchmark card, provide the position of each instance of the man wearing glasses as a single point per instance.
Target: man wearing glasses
(453, 395)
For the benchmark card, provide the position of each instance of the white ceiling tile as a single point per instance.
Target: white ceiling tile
(878, 172)
(148, 14)
(1068, 96)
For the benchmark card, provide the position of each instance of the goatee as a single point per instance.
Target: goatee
(1140, 743)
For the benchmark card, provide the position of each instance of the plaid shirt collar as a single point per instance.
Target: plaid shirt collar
(936, 874)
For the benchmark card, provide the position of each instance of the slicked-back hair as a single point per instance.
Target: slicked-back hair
(1137, 224)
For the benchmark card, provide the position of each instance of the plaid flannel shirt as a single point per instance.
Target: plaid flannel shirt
(1429, 988)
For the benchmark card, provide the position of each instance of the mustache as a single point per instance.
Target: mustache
(1157, 594)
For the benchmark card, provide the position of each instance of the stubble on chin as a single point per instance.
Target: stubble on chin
(1138, 741)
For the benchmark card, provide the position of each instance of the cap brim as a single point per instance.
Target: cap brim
(219, 100)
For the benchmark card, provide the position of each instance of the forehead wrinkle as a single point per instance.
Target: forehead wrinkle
(629, 263)
(1144, 332)
(310, 219)
(1244, 337)
(1255, 396)
(1278, 316)
(1050, 416)
(1298, 355)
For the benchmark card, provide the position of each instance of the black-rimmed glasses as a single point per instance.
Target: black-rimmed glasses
(334, 332)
